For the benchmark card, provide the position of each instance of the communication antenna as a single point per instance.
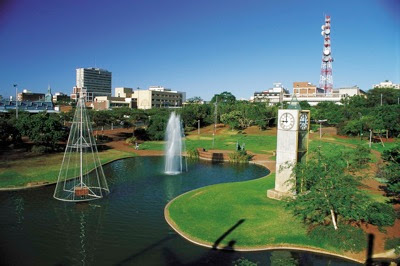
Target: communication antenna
(326, 80)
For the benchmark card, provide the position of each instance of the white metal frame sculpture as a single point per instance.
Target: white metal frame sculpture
(81, 176)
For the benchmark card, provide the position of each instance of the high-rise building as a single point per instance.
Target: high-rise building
(96, 81)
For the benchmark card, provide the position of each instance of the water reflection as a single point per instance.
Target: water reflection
(126, 227)
(18, 201)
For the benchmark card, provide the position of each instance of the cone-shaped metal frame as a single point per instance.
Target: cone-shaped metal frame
(81, 176)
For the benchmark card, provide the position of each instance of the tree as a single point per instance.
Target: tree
(46, 130)
(386, 117)
(101, 118)
(391, 172)
(192, 113)
(304, 105)
(195, 99)
(9, 133)
(234, 119)
(224, 97)
(329, 110)
(326, 191)
(283, 258)
(157, 126)
(389, 96)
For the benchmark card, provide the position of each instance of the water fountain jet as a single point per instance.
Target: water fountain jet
(175, 146)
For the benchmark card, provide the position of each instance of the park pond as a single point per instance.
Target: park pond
(127, 226)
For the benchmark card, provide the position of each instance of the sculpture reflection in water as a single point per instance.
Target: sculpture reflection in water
(81, 231)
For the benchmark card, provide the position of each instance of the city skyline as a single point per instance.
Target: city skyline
(200, 48)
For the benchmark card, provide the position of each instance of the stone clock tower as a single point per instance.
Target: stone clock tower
(292, 145)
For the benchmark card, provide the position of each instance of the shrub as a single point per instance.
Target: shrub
(381, 214)
(193, 154)
(393, 243)
(239, 157)
(189, 128)
(131, 140)
(40, 149)
(347, 237)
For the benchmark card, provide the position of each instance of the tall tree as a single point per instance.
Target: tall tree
(386, 96)
(46, 130)
(327, 191)
(224, 97)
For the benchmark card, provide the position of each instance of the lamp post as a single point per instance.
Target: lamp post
(215, 119)
(370, 137)
(320, 126)
(361, 124)
(16, 101)
(198, 127)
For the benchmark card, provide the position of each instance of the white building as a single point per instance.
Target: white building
(109, 102)
(123, 92)
(387, 84)
(271, 96)
(154, 97)
(96, 81)
(336, 96)
(310, 94)
(158, 97)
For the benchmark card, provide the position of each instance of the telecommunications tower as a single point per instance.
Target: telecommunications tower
(325, 80)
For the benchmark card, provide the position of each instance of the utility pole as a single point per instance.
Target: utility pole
(381, 98)
(198, 127)
(361, 124)
(16, 101)
(370, 137)
(320, 130)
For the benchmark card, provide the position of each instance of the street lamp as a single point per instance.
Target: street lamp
(320, 126)
(198, 127)
(361, 125)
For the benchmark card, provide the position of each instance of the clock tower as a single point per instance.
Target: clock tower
(292, 145)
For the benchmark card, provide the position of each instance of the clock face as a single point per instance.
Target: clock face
(303, 121)
(286, 121)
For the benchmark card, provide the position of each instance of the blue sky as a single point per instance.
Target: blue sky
(201, 47)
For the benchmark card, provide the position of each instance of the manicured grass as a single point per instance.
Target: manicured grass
(261, 144)
(19, 173)
(152, 145)
(365, 142)
(326, 146)
(255, 143)
(208, 213)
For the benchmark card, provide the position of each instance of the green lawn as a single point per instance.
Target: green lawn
(45, 168)
(365, 142)
(207, 213)
(255, 143)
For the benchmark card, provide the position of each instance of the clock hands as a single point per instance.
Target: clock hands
(285, 119)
